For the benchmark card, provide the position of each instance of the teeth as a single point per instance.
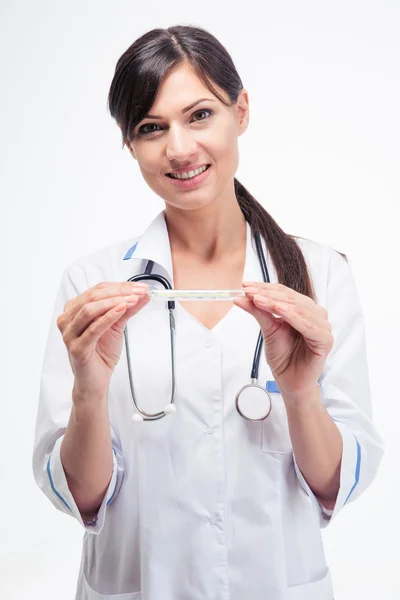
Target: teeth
(189, 174)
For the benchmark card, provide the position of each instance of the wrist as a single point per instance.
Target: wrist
(82, 396)
(301, 399)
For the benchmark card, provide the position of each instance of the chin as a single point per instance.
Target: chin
(189, 204)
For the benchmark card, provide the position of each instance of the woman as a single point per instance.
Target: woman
(202, 503)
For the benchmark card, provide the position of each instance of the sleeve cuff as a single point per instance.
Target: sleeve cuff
(349, 476)
(64, 500)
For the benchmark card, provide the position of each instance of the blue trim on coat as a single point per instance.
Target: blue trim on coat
(271, 386)
(131, 250)
(53, 488)
(113, 494)
(357, 473)
(358, 465)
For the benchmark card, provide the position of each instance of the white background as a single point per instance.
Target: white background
(321, 154)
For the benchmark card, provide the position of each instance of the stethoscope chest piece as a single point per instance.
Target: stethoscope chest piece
(253, 402)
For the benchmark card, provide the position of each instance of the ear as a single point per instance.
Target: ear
(243, 111)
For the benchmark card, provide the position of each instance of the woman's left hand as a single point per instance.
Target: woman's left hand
(297, 344)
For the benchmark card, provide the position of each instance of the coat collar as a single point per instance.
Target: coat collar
(154, 245)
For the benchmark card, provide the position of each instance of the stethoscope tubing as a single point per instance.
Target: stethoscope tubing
(147, 276)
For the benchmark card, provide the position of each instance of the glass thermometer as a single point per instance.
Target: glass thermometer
(196, 294)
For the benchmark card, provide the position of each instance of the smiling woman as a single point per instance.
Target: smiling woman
(199, 502)
(163, 76)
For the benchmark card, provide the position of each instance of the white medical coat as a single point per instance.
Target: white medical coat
(202, 504)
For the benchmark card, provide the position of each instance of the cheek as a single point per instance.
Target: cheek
(225, 143)
(147, 163)
(149, 168)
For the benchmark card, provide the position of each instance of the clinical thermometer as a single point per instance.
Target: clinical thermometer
(196, 294)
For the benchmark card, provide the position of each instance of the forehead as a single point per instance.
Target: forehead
(180, 88)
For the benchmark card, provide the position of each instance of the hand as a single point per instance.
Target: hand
(296, 341)
(92, 326)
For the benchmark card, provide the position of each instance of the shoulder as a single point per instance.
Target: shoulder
(103, 264)
(313, 247)
(317, 252)
(323, 262)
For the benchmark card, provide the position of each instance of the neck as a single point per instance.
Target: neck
(211, 233)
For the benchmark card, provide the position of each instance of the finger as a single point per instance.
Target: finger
(279, 293)
(91, 311)
(101, 291)
(307, 322)
(310, 315)
(88, 340)
(290, 296)
(123, 310)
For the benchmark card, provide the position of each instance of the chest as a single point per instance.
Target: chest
(189, 274)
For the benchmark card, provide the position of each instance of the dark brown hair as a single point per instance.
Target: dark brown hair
(138, 75)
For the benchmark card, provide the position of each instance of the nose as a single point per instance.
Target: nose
(180, 145)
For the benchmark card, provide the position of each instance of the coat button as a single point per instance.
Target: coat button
(213, 521)
(210, 430)
(208, 343)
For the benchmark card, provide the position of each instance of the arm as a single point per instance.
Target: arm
(57, 420)
(317, 445)
(333, 471)
(86, 453)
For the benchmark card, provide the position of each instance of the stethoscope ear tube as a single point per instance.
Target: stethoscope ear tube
(261, 257)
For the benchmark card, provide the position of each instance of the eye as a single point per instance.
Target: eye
(143, 132)
(203, 110)
(142, 129)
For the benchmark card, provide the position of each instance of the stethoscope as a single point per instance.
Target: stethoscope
(253, 402)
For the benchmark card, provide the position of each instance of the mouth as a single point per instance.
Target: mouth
(187, 174)
(190, 179)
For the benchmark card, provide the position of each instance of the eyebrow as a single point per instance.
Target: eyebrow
(183, 110)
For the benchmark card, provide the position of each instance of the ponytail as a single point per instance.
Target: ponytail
(286, 254)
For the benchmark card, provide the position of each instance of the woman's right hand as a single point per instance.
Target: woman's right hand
(92, 326)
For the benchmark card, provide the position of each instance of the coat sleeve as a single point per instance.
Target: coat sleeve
(345, 390)
(54, 408)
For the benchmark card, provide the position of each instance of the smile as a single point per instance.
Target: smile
(188, 174)
(189, 179)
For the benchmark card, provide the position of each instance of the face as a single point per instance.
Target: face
(206, 134)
